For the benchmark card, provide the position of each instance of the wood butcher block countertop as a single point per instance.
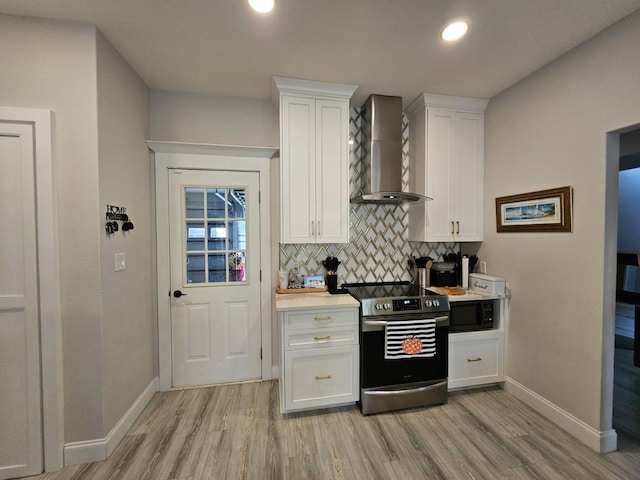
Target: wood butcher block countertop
(312, 301)
(466, 295)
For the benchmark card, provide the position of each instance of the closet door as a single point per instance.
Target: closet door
(20, 404)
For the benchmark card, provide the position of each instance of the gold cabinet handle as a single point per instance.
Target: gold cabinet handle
(328, 317)
(458, 229)
(328, 337)
(452, 228)
(312, 230)
(319, 228)
(477, 359)
(323, 377)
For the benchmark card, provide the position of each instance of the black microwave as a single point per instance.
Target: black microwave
(469, 316)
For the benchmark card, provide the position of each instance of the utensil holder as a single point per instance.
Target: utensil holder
(332, 281)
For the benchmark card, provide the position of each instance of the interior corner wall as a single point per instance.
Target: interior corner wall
(51, 65)
(196, 118)
(128, 319)
(550, 130)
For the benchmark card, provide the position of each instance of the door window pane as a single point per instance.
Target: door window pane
(194, 202)
(217, 245)
(216, 200)
(237, 235)
(195, 236)
(236, 203)
(217, 235)
(237, 267)
(217, 268)
(195, 268)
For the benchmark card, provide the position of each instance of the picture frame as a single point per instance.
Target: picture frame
(315, 281)
(542, 211)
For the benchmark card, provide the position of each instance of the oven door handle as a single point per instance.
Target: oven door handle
(400, 391)
(383, 323)
(375, 323)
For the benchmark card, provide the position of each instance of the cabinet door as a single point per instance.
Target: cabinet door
(440, 170)
(320, 338)
(298, 186)
(320, 377)
(468, 177)
(475, 359)
(324, 318)
(332, 171)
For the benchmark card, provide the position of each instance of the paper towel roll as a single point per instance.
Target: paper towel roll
(465, 272)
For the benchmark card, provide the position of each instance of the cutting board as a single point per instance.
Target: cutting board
(449, 290)
(301, 290)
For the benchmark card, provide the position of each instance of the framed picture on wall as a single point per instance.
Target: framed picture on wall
(542, 211)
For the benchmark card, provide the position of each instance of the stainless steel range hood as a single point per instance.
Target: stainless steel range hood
(382, 165)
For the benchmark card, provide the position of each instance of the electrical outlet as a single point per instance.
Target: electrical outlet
(120, 262)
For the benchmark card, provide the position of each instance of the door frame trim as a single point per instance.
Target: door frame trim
(171, 155)
(50, 318)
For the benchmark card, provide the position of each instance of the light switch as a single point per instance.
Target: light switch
(120, 262)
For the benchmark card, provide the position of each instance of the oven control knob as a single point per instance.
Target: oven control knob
(387, 306)
(428, 303)
(436, 303)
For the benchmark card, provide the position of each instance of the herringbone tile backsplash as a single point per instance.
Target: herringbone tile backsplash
(378, 249)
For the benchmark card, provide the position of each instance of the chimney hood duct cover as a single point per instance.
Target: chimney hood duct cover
(382, 164)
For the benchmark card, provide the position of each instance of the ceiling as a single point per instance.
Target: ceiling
(391, 47)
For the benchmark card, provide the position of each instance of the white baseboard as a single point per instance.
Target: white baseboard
(600, 441)
(100, 448)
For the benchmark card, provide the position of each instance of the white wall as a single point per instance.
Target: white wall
(549, 130)
(190, 117)
(125, 167)
(52, 65)
(107, 320)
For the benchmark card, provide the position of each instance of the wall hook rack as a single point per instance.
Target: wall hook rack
(114, 215)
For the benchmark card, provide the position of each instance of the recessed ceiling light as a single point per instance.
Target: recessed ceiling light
(454, 31)
(262, 6)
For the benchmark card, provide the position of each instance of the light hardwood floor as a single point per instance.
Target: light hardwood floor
(237, 432)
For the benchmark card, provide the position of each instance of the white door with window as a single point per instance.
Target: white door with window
(214, 242)
(20, 395)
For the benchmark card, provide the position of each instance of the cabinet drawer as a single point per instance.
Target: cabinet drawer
(320, 338)
(320, 377)
(475, 359)
(320, 318)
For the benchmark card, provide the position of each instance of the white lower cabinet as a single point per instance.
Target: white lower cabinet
(320, 358)
(476, 358)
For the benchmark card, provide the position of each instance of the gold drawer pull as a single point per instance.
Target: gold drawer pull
(323, 377)
(328, 317)
(477, 359)
(328, 337)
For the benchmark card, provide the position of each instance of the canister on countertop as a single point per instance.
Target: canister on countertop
(421, 271)
(487, 283)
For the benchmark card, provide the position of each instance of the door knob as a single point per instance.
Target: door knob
(178, 294)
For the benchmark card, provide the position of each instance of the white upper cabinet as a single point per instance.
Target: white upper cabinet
(446, 151)
(314, 151)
